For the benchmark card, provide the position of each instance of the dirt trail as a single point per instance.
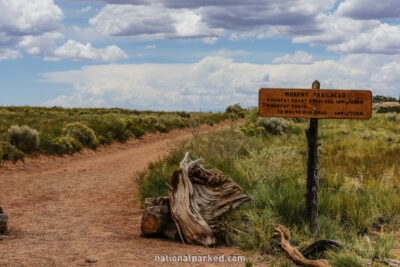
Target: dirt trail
(66, 210)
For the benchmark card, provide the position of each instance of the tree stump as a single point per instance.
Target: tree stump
(193, 211)
(3, 221)
(157, 218)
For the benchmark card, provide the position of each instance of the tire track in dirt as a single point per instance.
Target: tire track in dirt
(65, 210)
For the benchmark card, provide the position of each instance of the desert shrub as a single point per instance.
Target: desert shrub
(381, 98)
(236, 109)
(137, 131)
(116, 126)
(81, 133)
(64, 145)
(24, 138)
(272, 125)
(250, 126)
(102, 140)
(161, 127)
(392, 116)
(10, 152)
(251, 129)
(145, 122)
(173, 122)
(389, 109)
(183, 114)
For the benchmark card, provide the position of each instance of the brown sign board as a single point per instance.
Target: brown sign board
(315, 103)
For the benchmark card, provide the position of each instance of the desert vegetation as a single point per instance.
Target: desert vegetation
(27, 130)
(381, 98)
(359, 198)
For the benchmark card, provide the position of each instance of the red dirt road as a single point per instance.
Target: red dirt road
(66, 210)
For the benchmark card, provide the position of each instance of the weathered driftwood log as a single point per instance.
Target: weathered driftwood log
(294, 253)
(199, 198)
(3, 221)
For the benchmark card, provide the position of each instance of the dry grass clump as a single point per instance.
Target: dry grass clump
(392, 116)
(272, 125)
(24, 138)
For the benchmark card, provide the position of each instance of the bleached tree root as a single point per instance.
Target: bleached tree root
(294, 253)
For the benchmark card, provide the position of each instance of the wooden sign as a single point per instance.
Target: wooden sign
(315, 103)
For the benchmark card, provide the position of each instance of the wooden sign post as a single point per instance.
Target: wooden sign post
(315, 104)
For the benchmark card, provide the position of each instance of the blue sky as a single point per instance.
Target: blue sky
(192, 54)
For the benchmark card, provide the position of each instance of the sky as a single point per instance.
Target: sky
(192, 54)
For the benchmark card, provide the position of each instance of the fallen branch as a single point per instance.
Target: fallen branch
(320, 246)
(294, 253)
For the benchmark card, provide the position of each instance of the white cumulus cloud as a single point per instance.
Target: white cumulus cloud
(85, 52)
(384, 39)
(29, 16)
(6, 54)
(215, 82)
(40, 45)
(299, 57)
(152, 20)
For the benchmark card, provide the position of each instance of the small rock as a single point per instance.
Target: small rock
(90, 261)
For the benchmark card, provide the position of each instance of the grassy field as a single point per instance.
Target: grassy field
(359, 195)
(59, 131)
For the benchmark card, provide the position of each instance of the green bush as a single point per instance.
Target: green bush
(381, 98)
(272, 125)
(236, 109)
(161, 127)
(134, 127)
(102, 140)
(10, 152)
(65, 145)
(82, 133)
(183, 114)
(24, 138)
(116, 126)
(389, 109)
